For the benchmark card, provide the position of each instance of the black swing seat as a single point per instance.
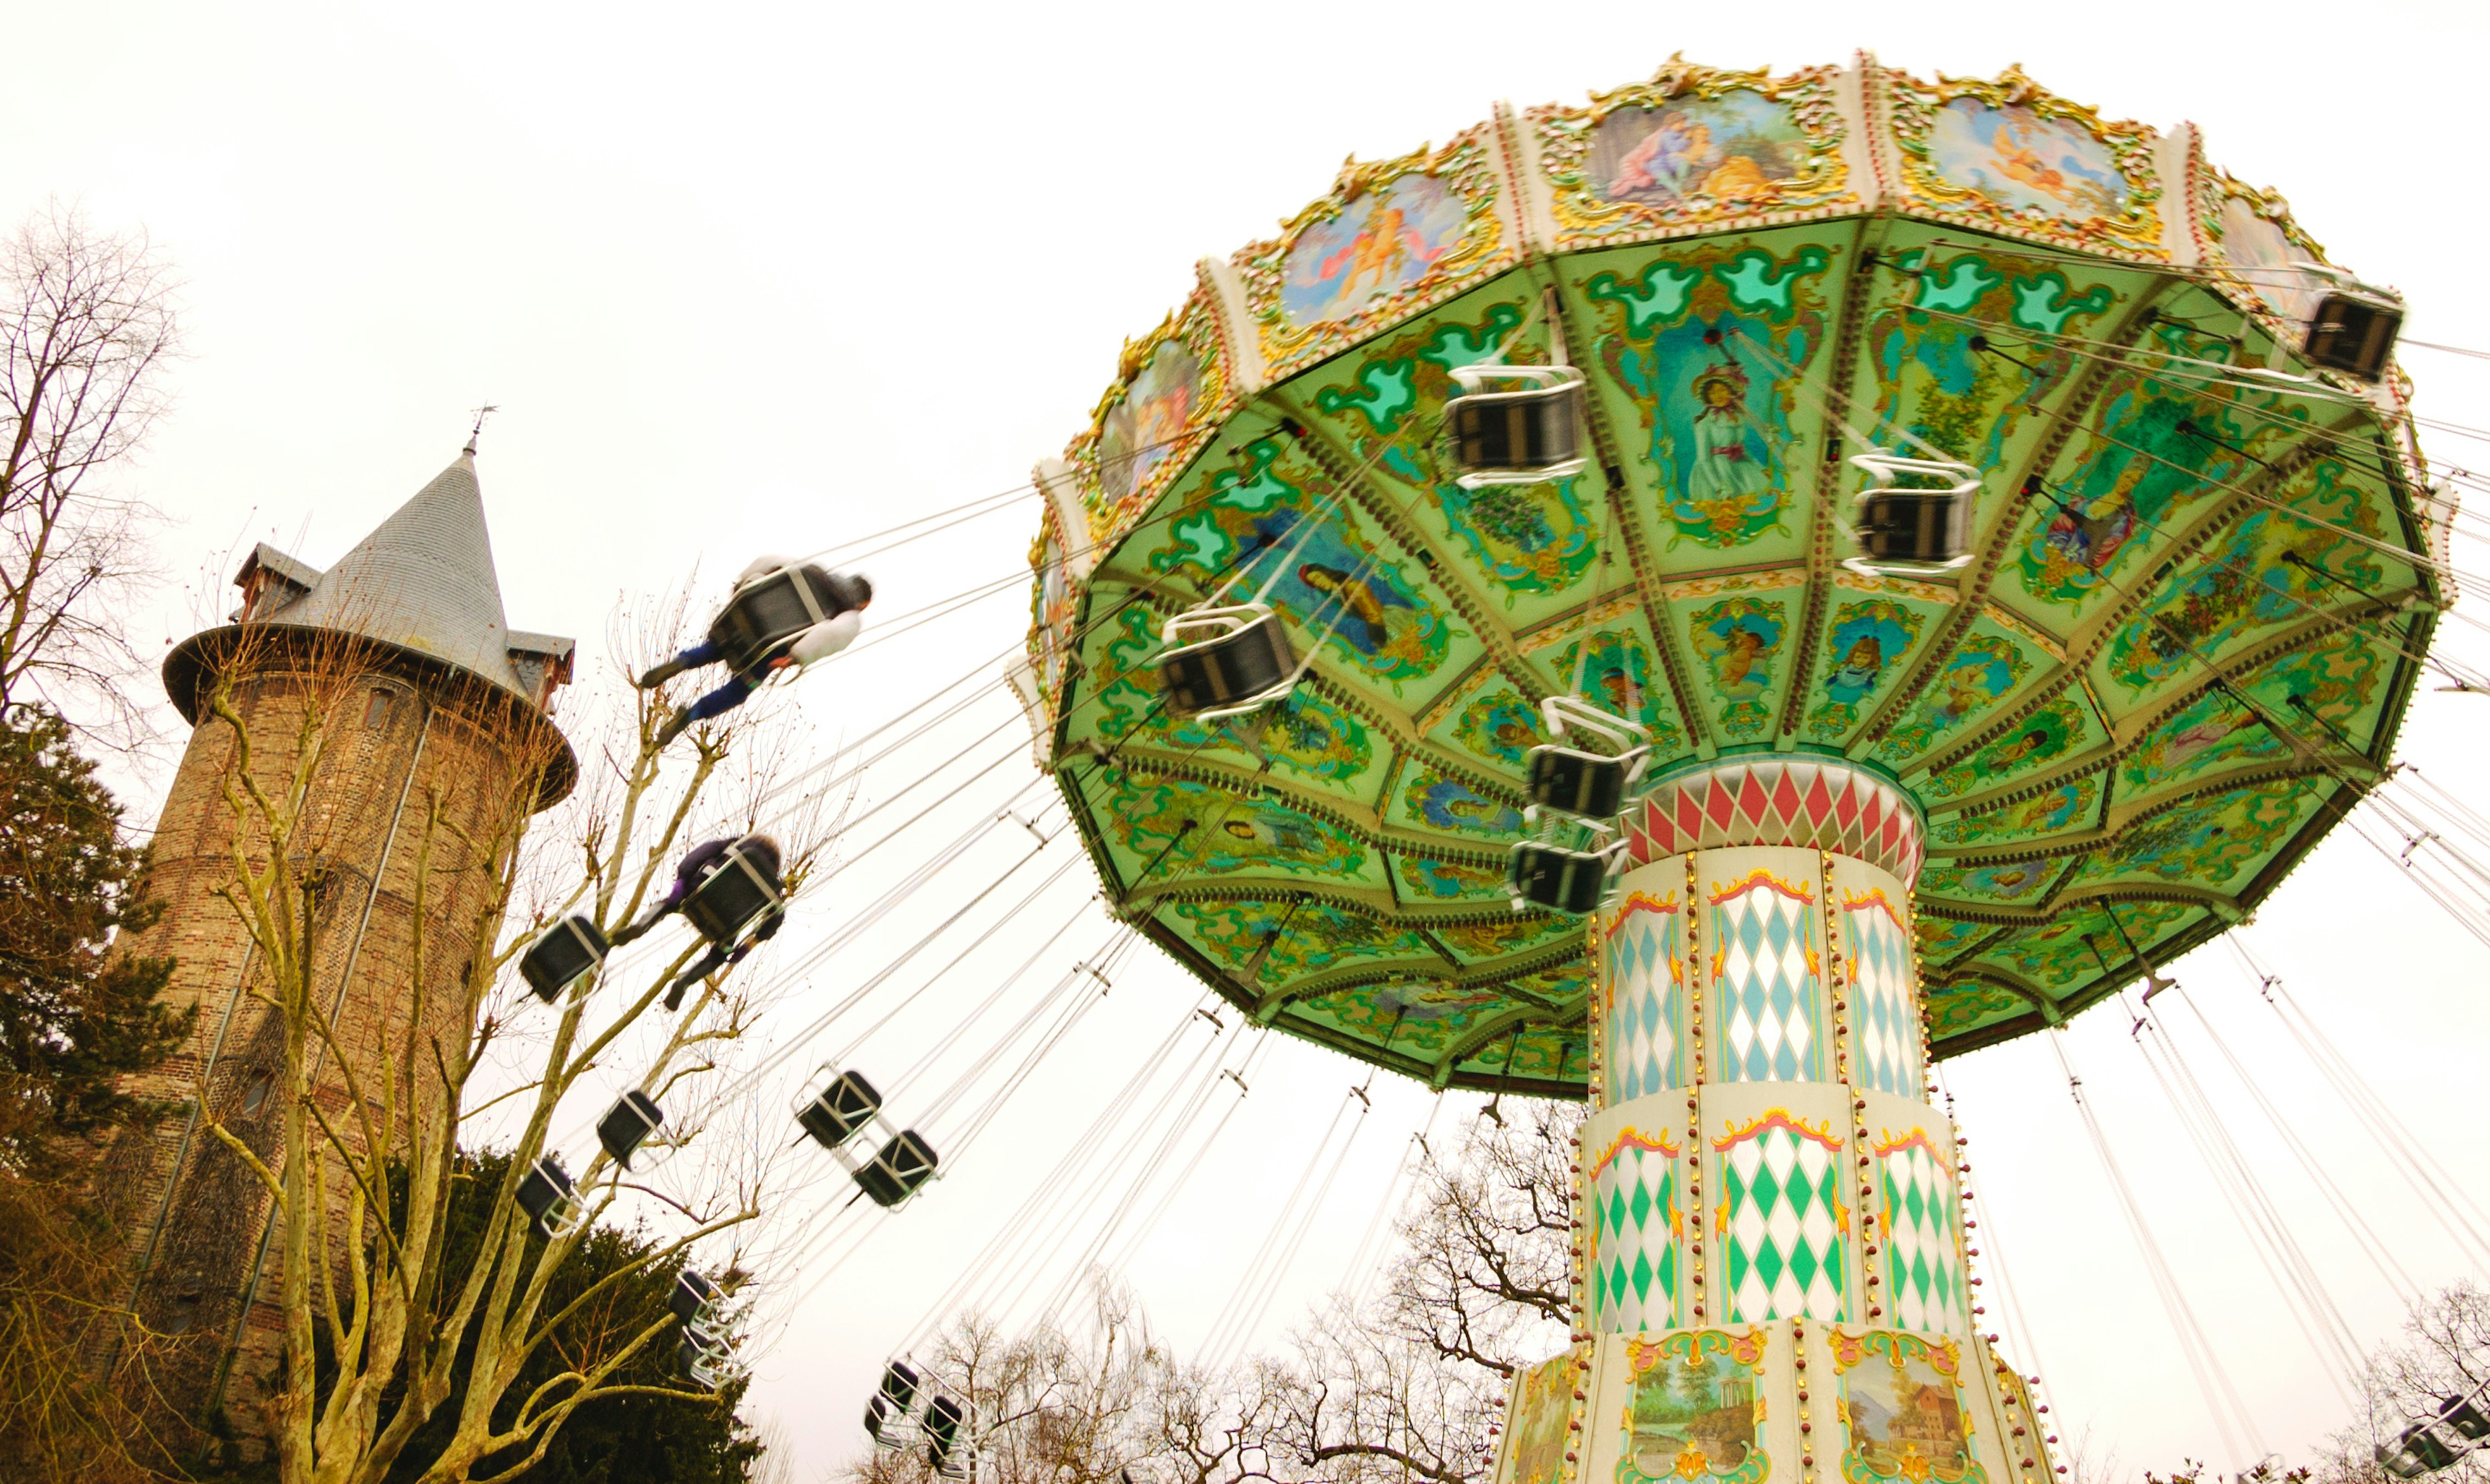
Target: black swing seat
(2467, 1416)
(629, 1124)
(2353, 331)
(942, 1418)
(1520, 435)
(732, 900)
(764, 614)
(697, 1302)
(1569, 780)
(899, 1170)
(1920, 528)
(549, 1198)
(833, 1116)
(1555, 877)
(563, 954)
(2418, 1451)
(709, 1359)
(1224, 662)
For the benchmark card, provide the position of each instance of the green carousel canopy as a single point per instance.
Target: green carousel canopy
(2201, 576)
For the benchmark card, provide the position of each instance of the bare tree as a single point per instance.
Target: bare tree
(87, 329)
(1485, 1279)
(2443, 1352)
(379, 1328)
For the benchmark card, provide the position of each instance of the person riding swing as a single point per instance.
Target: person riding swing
(783, 613)
(729, 890)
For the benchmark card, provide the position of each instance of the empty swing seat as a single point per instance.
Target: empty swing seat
(696, 1301)
(2419, 1450)
(764, 614)
(901, 1167)
(1224, 661)
(2353, 331)
(1522, 435)
(2467, 1416)
(1922, 527)
(629, 1124)
(1578, 782)
(563, 954)
(731, 899)
(885, 1417)
(846, 1105)
(549, 1198)
(708, 1359)
(942, 1418)
(1556, 878)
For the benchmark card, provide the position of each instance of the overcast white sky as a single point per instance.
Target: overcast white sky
(746, 278)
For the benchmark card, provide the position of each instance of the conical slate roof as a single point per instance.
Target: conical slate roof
(425, 579)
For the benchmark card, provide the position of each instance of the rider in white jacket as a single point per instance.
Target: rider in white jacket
(841, 598)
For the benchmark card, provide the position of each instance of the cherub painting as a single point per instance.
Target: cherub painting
(1379, 243)
(1736, 147)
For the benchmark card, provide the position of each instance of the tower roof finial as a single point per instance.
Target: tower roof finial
(477, 432)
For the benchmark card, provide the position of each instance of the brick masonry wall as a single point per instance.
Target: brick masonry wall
(202, 1245)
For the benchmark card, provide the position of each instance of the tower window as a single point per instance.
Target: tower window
(254, 1093)
(376, 711)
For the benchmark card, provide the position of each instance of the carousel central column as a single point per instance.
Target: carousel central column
(1773, 1274)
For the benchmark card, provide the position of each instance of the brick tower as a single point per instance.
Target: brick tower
(435, 705)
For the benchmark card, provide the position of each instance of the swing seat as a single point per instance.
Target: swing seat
(1578, 782)
(1561, 880)
(899, 1171)
(627, 1124)
(2353, 331)
(731, 900)
(2467, 1416)
(709, 1360)
(698, 1302)
(881, 1425)
(1224, 662)
(942, 1418)
(1916, 530)
(846, 1105)
(563, 954)
(550, 1199)
(1521, 435)
(762, 615)
(2418, 1451)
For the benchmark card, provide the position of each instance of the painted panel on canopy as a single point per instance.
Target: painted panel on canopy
(1419, 879)
(1415, 1017)
(1301, 939)
(1171, 390)
(1488, 722)
(2156, 450)
(1742, 636)
(2251, 233)
(2069, 807)
(1943, 939)
(1621, 672)
(1870, 641)
(2067, 953)
(1968, 1005)
(1931, 386)
(1142, 816)
(1269, 512)
(1425, 798)
(1706, 350)
(2060, 730)
(2266, 571)
(2218, 843)
(1480, 941)
(2010, 883)
(1991, 664)
(2006, 155)
(1392, 238)
(1526, 547)
(1691, 149)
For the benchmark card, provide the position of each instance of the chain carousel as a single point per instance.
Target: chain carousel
(1711, 601)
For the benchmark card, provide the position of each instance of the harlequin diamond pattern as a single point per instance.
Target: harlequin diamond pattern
(1886, 1047)
(1644, 1004)
(1633, 1284)
(1784, 1229)
(1819, 804)
(1923, 1265)
(1769, 1031)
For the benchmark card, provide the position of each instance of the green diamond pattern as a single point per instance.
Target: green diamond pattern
(1922, 1261)
(1782, 1221)
(1633, 1279)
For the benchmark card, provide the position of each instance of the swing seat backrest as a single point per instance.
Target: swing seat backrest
(1578, 782)
(549, 1198)
(901, 1167)
(563, 954)
(696, 1301)
(846, 1105)
(2353, 331)
(762, 615)
(1558, 879)
(627, 1124)
(731, 899)
(1224, 661)
(1923, 528)
(1519, 435)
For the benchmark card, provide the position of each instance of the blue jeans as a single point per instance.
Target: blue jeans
(725, 697)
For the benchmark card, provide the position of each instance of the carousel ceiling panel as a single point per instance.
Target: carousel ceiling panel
(2195, 582)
